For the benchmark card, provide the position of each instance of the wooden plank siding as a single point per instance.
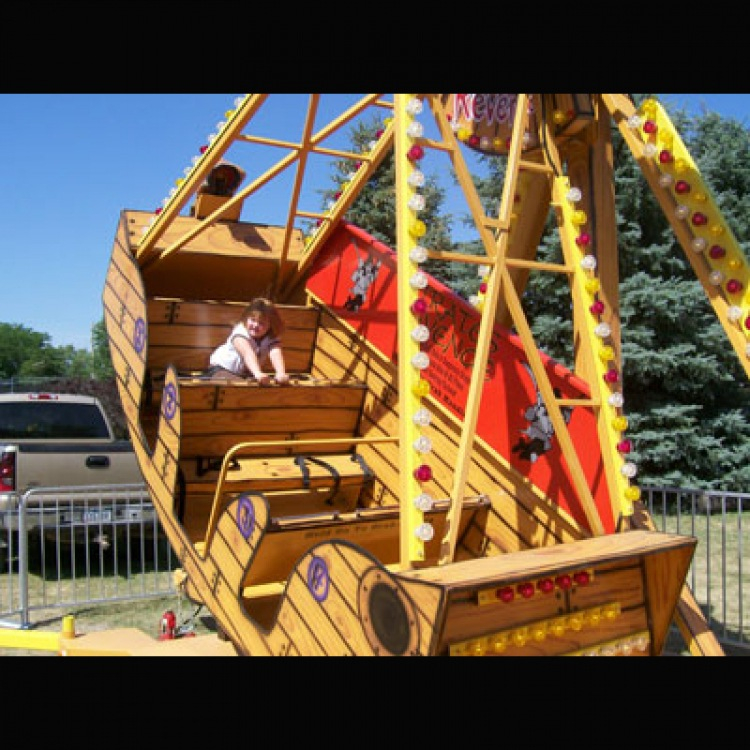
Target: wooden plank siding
(185, 332)
(519, 518)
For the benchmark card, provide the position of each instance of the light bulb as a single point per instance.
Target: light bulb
(422, 417)
(421, 334)
(423, 502)
(414, 106)
(424, 532)
(699, 244)
(574, 195)
(418, 254)
(734, 313)
(416, 202)
(423, 444)
(416, 179)
(629, 469)
(421, 361)
(616, 400)
(588, 262)
(418, 280)
(716, 278)
(634, 122)
(415, 130)
(682, 211)
(602, 330)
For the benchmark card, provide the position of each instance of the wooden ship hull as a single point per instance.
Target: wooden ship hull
(288, 506)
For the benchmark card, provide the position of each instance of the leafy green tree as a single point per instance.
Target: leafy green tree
(24, 352)
(101, 362)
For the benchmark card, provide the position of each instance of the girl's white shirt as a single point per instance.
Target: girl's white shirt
(229, 358)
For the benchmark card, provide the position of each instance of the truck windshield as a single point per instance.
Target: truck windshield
(45, 420)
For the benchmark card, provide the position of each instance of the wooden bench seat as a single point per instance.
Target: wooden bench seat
(185, 332)
(375, 529)
(217, 414)
(292, 484)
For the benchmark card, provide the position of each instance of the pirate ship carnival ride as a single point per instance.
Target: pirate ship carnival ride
(430, 483)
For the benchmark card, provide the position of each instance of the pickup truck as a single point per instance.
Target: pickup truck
(58, 440)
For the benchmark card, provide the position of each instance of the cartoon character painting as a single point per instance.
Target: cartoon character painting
(539, 432)
(363, 277)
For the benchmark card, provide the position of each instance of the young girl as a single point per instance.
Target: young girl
(253, 341)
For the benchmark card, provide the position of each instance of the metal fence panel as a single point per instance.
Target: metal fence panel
(70, 546)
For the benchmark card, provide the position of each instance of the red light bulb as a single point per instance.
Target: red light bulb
(505, 594)
(546, 585)
(699, 219)
(423, 473)
(682, 187)
(717, 252)
(564, 581)
(581, 577)
(649, 127)
(597, 308)
(415, 153)
(419, 306)
(625, 446)
(611, 376)
(526, 590)
(734, 286)
(665, 156)
(583, 239)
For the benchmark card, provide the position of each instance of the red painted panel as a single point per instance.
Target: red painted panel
(356, 276)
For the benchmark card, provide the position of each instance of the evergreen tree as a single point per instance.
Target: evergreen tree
(374, 209)
(686, 395)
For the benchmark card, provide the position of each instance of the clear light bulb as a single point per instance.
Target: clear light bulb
(574, 195)
(699, 244)
(415, 130)
(416, 202)
(418, 254)
(421, 361)
(420, 334)
(423, 502)
(588, 262)
(734, 313)
(414, 106)
(416, 179)
(418, 280)
(424, 532)
(603, 330)
(422, 418)
(423, 444)
(616, 399)
(629, 470)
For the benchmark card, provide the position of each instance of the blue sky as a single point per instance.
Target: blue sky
(72, 162)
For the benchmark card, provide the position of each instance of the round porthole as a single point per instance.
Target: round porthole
(387, 615)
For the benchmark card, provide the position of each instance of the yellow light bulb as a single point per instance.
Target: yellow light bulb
(592, 286)
(421, 388)
(620, 424)
(632, 494)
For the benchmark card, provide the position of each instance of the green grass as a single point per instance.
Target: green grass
(715, 577)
